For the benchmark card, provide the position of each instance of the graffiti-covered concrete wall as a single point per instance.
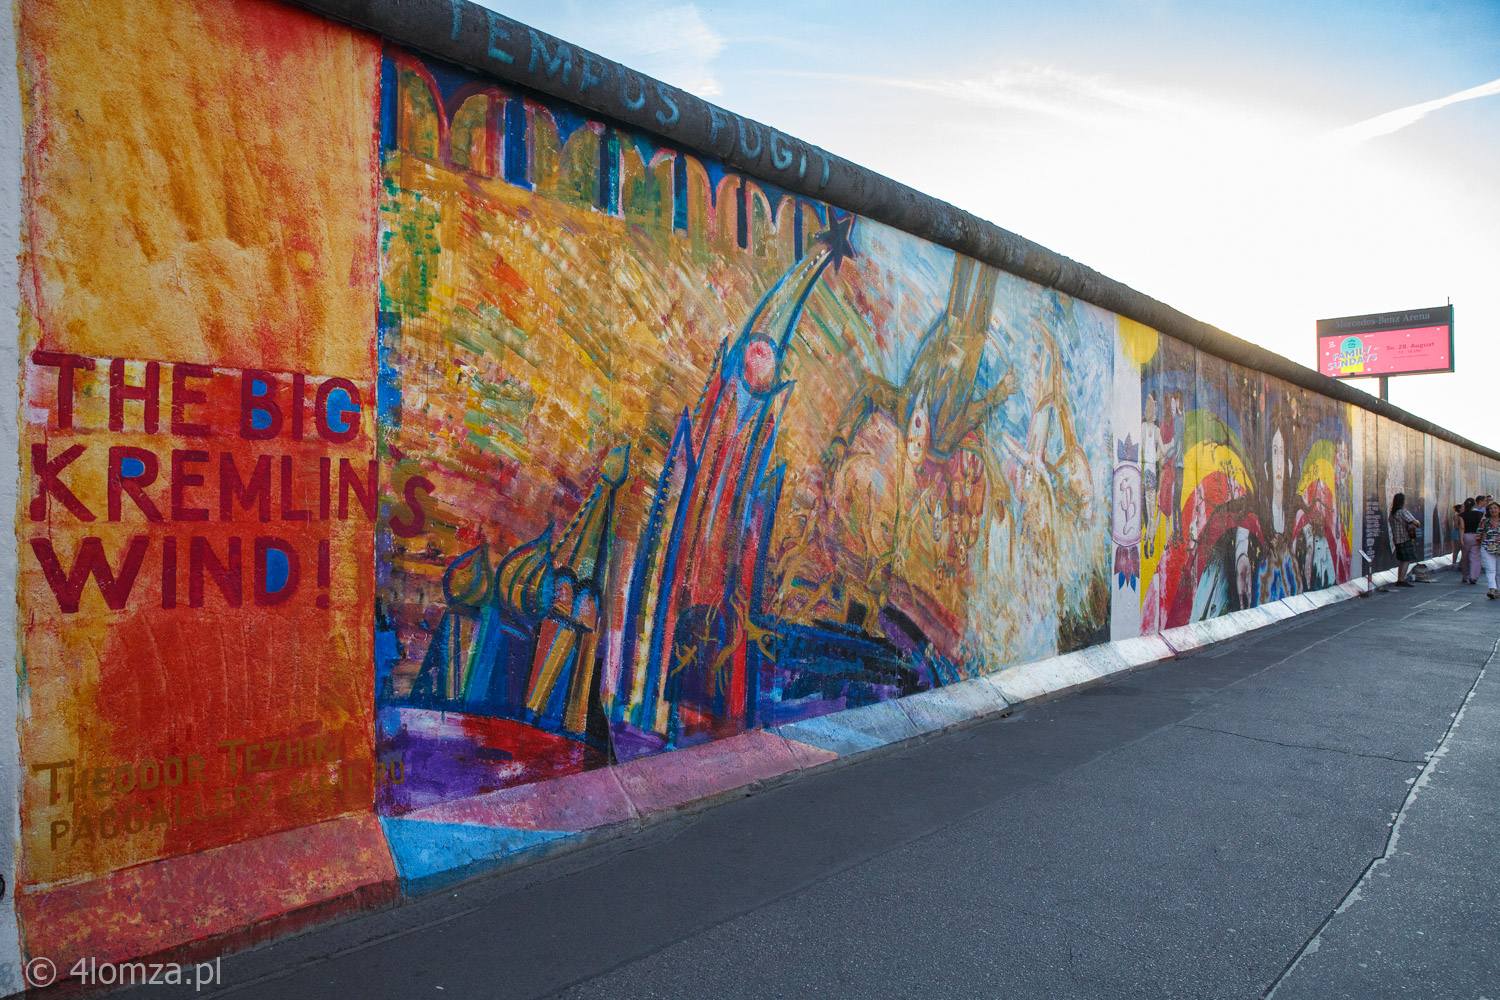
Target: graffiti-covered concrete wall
(417, 470)
(674, 455)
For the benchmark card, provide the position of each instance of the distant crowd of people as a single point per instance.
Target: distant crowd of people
(1474, 532)
(1475, 535)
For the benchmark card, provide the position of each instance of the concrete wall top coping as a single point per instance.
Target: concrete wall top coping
(493, 44)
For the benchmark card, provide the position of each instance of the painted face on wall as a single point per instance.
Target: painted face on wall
(1309, 555)
(1242, 569)
(918, 431)
(1198, 521)
(1278, 483)
(760, 365)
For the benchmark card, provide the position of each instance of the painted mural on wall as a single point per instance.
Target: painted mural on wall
(396, 443)
(1244, 486)
(679, 455)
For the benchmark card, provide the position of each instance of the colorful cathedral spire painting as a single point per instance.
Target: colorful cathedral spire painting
(695, 581)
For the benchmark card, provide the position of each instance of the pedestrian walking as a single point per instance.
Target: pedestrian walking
(1471, 518)
(1489, 546)
(1456, 534)
(1403, 527)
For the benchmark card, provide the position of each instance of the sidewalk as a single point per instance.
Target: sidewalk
(1184, 832)
(1425, 919)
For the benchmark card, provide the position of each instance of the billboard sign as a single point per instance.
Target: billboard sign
(1411, 342)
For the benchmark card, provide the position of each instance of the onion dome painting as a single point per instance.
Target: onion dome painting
(521, 641)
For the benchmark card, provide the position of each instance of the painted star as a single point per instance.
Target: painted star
(836, 238)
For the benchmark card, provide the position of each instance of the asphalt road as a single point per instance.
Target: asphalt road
(1219, 827)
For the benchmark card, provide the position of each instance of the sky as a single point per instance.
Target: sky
(1256, 165)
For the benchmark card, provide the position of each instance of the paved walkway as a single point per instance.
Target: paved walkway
(1216, 827)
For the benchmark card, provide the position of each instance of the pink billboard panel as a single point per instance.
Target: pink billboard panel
(1405, 343)
(1385, 352)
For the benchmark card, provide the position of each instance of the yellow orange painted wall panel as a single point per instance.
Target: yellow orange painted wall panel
(201, 180)
(198, 488)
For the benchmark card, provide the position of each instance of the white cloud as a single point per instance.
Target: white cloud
(1400, 118)
(1241, 214)
(1086, 99)
(1033, 101)
(672, 42)
(677, 45)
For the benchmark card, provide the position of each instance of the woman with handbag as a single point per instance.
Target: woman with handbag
(1403, 532)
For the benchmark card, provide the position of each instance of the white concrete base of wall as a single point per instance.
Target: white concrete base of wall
(1041, 680)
